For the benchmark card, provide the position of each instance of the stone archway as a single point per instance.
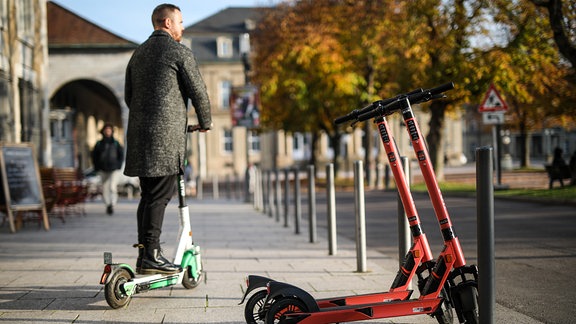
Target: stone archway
(78, 110)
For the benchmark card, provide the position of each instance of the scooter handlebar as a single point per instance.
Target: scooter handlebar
(426, 95)
(353, 115)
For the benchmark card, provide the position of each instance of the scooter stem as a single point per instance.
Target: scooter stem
(185, 231)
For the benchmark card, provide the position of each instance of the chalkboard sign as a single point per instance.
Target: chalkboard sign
(21, 186)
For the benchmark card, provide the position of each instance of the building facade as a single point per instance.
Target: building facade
(219, 43)
(23, 74)
(85, 87)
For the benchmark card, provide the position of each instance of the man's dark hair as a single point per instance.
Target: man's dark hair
(162, 12)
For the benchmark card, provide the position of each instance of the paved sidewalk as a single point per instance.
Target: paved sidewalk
(52, 277)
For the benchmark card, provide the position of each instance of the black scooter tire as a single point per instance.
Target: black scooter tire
(469, 299)
(188, 281)
(444, 314)
(115, 296)
(253, 312)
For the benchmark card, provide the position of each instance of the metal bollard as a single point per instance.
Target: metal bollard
(237, 187)
(270, 195)
(260, 190)
(247, 180)
(360, 217)
(387, 177)
(199, 186)
(379, 176)
(264, 192)
(286, 195)
(278, 191)
(485, 234)
(256, 202)
(260, 204)
(311, 204)
(228, 187)
(215, 192)
(331, 208)
(297, 202)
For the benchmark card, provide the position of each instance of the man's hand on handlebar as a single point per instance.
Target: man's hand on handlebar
(198, 128)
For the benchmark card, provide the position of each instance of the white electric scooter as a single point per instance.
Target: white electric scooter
(120, 281)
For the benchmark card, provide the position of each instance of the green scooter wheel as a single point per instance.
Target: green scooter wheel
(115, 295)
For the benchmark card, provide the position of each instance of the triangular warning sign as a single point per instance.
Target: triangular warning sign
(492, 101)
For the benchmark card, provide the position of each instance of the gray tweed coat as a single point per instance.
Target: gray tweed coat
(160, 78)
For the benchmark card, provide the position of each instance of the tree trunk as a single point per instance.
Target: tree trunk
(434, 138)
(368, 139)
(313, 146)
(524, 143)
(524, 146)
(556, 18)
(335, 139)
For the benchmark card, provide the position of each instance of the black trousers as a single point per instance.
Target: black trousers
(156, 193)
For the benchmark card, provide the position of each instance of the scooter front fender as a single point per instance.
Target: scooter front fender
(254, 282)
(193, 259)
(279, 290)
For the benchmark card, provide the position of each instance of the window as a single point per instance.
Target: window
(227, 141)
(225, 91)
(224, 47)
(300, 146)
(25, 12)
(3, 26)
(245, 43)
(254, 141)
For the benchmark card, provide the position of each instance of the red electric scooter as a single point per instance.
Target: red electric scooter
(289, 304)
(418, 260)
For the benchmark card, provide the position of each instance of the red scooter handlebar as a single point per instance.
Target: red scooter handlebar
(423, 96)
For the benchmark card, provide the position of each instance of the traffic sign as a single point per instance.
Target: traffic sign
(493, 117)
(492, 101)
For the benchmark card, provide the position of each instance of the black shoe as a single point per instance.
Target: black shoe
(153, 262)
(140, 255)
(109, 210)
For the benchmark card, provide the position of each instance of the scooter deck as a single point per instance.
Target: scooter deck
(364, 299)
(364, 312)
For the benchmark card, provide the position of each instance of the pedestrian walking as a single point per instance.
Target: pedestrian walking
(107, 159)
(572, 165)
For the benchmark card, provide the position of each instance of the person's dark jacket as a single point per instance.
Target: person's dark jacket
(107, 155)
(160, 78)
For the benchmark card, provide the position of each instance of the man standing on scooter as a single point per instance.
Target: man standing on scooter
(161, 77)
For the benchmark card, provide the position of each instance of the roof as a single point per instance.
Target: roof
(67, 29)
(230, 20)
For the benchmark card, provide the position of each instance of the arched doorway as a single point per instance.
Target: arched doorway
(78, 110)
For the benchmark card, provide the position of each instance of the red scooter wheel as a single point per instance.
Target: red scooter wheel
(283, 306)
